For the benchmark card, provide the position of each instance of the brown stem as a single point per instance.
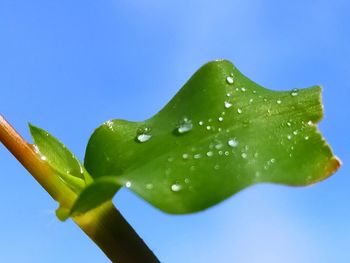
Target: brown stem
(25, 153)
(104, 225)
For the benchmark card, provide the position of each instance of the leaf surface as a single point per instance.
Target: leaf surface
(220, 134)
(62, 161)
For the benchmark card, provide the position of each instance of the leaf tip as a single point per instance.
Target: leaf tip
(334, 164)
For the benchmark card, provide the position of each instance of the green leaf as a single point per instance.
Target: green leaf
(102, 190)
(61, 160)
(220, 134)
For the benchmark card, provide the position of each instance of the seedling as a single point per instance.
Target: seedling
(220, 134)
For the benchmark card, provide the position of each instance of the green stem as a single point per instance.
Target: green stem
(104, 225)
(112, 233)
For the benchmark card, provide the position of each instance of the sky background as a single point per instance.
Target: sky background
(67, 66)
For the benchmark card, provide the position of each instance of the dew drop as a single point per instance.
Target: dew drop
(210, 153)
(306, 138)
(36, 149)
(218, 146)
(143, 137)
(244, 155)
(232, 142)
(227, 153)
(229, 80)
(200, 123)
(143, 134)
(289, 137)
(149, 186)
(294, 92)
(273, 160)
(278, 101)
(216, 167)
(310, 123)
(128, 184)
(43, 157)
(243, 89)
(185, 156)
(176, 187)
(295, 132)
(208, 127)
(187, 181)
(228, 94)
(109, 124)
(185, 126)
(239, 111)
(197, 156)
(220, 119)
(289, 124)
(228, 104)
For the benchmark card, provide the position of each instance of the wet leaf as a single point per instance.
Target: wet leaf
(220, 134)
(61, 160)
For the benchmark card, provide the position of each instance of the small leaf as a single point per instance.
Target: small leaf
(63, 162)
(95, 194)
(219, 134)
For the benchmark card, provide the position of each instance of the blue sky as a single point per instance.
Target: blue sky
(68, 66)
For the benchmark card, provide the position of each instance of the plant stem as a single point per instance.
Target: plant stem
(25, 153)
(104, 224)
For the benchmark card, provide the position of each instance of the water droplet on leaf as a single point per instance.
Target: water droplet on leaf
(229, 80)
(294, 92)
(197, 156)
(176, 187)
(210, 153)
(228, 104)
(184, 126)
(143, 134)
(232, 142)
(149, 186)
(143, 137)
(185, 156)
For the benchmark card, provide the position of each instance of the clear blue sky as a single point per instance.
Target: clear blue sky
(68, 66)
